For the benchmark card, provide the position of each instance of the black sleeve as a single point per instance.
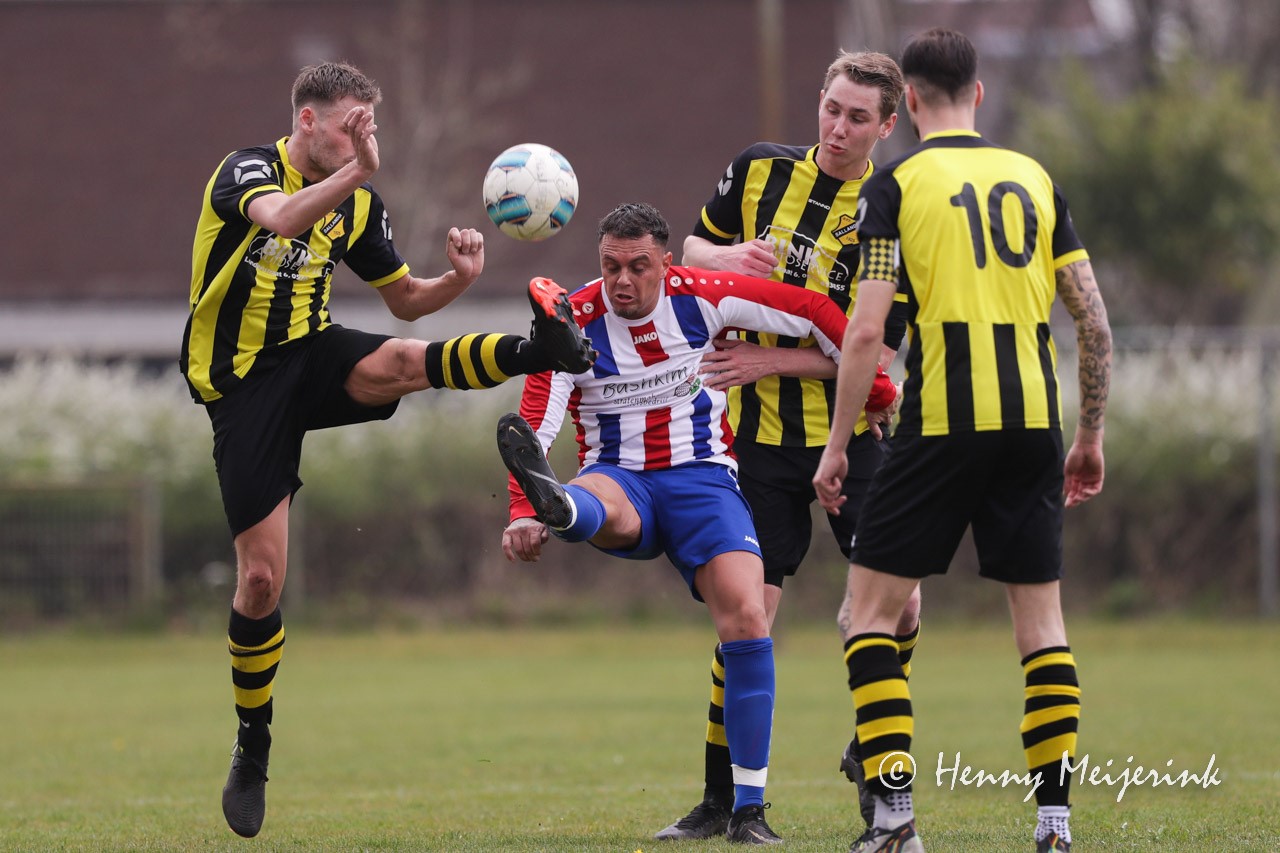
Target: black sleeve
(721, 219)
(895, 325)
(373, 255)
(1064, 231)
(243, 174)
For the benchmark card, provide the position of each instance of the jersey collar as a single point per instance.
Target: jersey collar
(295, 177)
(952, 132)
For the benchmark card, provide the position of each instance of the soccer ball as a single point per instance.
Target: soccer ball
(530, 192)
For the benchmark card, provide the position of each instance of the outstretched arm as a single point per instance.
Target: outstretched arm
(1084, 468)
(410, 298)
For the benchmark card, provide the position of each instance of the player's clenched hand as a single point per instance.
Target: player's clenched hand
(828, 481)
(1083, 472)
(464, 247)
(358, 123)
(754, 257)
(523, 538)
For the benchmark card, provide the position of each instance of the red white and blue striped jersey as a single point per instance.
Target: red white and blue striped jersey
(643, 405)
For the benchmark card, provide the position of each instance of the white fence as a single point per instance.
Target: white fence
(1256, 351)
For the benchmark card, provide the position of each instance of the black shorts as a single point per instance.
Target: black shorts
(778, 485)
(1007, 484)
(258, 427)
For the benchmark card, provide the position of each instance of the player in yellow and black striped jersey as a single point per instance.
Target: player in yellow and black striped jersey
(252, 289)
(780, 197)
(262, 354)
(980, 240)
(786, 212)
(978, 292)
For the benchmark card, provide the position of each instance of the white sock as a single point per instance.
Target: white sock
(894, 810)
(1053, 819)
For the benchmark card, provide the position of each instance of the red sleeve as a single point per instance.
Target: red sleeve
(882, 393)
(754, 294)
(821, 310)
(533, 408)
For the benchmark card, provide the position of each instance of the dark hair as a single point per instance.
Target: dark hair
(634, 220)
(869, 69)
(940, 63)
(330, 82)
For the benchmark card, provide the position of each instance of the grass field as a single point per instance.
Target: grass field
(589, 739)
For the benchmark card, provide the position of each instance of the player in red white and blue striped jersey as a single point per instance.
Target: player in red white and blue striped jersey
(657, 475)
(643, 405)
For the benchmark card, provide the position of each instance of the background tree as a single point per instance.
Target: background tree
(1174, 188)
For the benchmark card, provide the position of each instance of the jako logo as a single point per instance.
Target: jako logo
(645, 338)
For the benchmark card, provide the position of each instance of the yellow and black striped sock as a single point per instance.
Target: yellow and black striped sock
(719, 767)
(1050, 720)
(906, 648)
(480, 360)
(882, 704)
(255, 646)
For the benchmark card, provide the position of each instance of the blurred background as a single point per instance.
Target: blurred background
(1158, 118)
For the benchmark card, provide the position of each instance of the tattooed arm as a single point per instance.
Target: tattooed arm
(1084, 467)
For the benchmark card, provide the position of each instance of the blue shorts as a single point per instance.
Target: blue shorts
(691, 513)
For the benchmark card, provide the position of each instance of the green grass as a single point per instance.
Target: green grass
(528, 740)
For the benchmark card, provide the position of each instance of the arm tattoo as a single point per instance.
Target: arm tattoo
(1079, 293)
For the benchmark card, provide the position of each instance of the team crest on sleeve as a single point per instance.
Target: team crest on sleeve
(252, 170)
(860, 213)
(386, 225)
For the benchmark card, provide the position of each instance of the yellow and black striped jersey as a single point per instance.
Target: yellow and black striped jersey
(252, 290)
(974, 234)
(778, 194)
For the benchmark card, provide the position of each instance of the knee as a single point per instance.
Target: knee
(256, 596)
(257, 592)
(407, 358)
(400, 363)
(394, 369)
(753, 622)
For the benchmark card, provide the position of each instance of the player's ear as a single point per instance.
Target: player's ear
(306, 118)
(666, 262)
(977, 94)
(886, 126)
(909, 97)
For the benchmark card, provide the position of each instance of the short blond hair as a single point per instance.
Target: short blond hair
(870, 69)
(329, 82)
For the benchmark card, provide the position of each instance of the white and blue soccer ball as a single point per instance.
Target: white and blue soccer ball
(530, 192)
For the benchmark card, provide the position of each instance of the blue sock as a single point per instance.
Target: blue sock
(748, 715)
(588, 516)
